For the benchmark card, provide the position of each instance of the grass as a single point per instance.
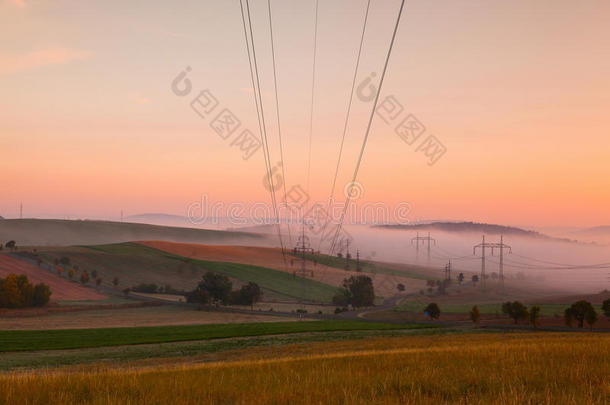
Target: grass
(488, 309)
(28, 340)
(198, 351)
(133, 264)
(464, 369)
(368, 267)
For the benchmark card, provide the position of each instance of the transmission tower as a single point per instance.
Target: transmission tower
(492, 246)
(423, 239)
(347, 256)
(304, 247)
(448, 271)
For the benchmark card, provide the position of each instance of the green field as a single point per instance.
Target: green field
(28, 340)
(133, 264)
(416, 272)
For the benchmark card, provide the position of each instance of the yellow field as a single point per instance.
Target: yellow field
(537, 368)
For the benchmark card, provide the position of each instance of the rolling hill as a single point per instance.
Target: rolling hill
(56, 232)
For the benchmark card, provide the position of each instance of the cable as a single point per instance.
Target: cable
(260, 112)
(277, 109)
(368, 128)
(349, 107)
(313, 87)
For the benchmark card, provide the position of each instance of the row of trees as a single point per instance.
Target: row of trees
(17, 292)
(581, 311)
(216, 288)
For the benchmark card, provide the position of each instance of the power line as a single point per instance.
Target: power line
(313, 87)
(277, 109)
(349, 107)
(260, 112)
(368, 128)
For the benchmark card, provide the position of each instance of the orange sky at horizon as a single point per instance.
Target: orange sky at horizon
(518, 93)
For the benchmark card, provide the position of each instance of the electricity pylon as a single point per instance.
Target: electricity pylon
(492, 246)
(423, 239)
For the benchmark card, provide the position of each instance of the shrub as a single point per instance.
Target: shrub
(433, 311)
(475, 315)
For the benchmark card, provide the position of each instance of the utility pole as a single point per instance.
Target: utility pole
(448, 271)
(347, 254)
(492, 246)
(357, 259)
(423, 239)
(20, 210)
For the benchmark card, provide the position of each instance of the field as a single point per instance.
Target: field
(61, 289)
(452, 369)
(327, 270)
(135, 263)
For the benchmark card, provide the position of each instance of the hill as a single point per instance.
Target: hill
(134, 264)
(61, 289)
(56, 232)
(463, 227)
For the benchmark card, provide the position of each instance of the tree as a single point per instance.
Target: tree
(98, 282)
(94, 274)
(475, 279)
(360, 291)
(126, 291)
(218, 286)
(65, 261)
(10, 245)
(534, 316)
(460, 278)
(515, 310)
(580, 311)
(71, 273)
(42, 295)
(250, 294)
(115, 281)
(84, 277)
(591, 318)
(432, 310)
(475, 315)
(400, 287)
(10, 296)
(606, 307)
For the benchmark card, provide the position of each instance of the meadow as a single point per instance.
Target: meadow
(28, 340)
(533, 368)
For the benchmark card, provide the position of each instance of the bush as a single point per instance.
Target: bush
(433, 311)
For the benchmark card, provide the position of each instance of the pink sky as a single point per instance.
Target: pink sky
(517, 92)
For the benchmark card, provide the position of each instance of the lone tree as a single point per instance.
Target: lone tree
(475, 315)
(606, 307)
(432, 310)
(580, 311)
(515, 310)
(360, 291)
(400, 287)
(217, 286)
(535, 316)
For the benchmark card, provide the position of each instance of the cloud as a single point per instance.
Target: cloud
(43, 57)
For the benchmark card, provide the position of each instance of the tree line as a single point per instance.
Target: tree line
(17, 292)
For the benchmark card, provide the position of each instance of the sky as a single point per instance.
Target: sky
(517, 93)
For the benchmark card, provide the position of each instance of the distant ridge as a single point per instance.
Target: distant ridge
(460, 227)
(58, 232)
